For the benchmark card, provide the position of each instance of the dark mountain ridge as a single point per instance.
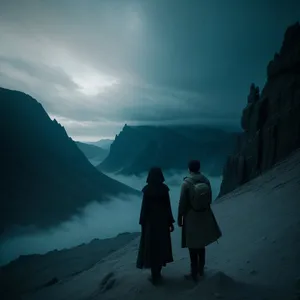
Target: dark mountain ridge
(92, 152)
(137, 148)
(45, 177)
(104, 143)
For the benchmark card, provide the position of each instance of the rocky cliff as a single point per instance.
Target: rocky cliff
(271, 119)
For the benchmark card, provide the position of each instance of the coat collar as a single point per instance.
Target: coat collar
(194, 176)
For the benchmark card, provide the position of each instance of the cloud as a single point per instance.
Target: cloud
(94, 221)
(140, 61)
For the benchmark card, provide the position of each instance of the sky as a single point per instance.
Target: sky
(98, 64)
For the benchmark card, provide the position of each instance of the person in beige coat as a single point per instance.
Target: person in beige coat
(199, 227)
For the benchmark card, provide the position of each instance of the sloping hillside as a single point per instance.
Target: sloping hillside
(45, 178)
(258, 256)
(93, 153)
(137, 148)
(104, 143)
(270, 120)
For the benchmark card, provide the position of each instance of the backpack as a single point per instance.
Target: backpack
(200, 196)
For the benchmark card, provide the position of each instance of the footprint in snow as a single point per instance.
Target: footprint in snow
(107, 282)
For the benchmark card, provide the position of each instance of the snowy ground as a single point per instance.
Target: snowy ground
(258, 256)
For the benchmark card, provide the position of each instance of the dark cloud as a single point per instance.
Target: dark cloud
(41, 70)
(98, 64)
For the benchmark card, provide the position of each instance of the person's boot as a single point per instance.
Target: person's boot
(193, 275)
(153, 280)
(201, 263)
(201, 272)
(156, 277)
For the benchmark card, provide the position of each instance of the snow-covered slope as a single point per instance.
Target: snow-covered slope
(258, 256)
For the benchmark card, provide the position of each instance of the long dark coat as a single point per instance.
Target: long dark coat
(156, 218)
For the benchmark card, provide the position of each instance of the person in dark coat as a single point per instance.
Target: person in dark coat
(156, 220)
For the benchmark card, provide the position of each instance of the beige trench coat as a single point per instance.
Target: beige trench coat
(199, 228)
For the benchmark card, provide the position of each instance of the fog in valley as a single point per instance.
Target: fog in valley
(119, 214)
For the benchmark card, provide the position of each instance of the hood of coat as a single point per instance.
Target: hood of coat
(155, 189)
(195, 177)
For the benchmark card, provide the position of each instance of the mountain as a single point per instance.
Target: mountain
(137, 148)
(45, 178)
(270, 120)
(65, 263)
(257, 257)
(104, 143)
(93, 153)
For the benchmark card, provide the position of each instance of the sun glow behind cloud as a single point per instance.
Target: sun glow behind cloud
(134, 63)
(93, 83)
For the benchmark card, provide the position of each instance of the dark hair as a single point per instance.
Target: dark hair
(155, 175)
(194, 166)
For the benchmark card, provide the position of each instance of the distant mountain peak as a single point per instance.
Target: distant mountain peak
(138, 148)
